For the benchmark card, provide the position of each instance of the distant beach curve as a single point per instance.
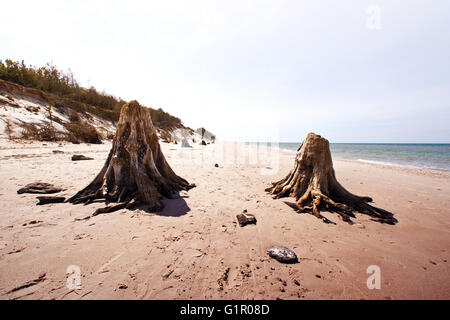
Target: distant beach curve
(421, 156)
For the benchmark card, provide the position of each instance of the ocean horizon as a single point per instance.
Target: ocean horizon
(435, 156)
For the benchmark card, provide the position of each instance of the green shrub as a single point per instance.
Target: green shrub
(82, 132)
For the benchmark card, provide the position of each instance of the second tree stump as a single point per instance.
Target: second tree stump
(313, 184)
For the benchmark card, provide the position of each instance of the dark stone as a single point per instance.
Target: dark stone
(203, 143)
(283, 254)
(246, 218)
(39, 187)
(77, 157)
(49, 199)
(216, 165)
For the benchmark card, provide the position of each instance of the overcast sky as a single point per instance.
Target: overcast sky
(352, 71)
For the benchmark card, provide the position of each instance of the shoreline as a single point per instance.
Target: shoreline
(17, 144)
(394, 166)
(439, 173)
(432, 170)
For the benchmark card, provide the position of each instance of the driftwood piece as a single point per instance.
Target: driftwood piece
(313, 184)
(49, 199)
(29, 283)
(77, 157)
(246, 218)
(136, 171)
(39, 187)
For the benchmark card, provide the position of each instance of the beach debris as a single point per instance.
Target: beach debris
(136, 173)
(31, 222)
(82, 219)
(78, 157)
(216, 165)
(246, 218)
(245, 271)
(282, 254)
(49, 199)
(313, 184)
(16, 250)
(223, 280)
(168, 273)
(39, 187)
(29, 283)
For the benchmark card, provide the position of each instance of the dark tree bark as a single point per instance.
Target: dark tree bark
(136, 171)
(313, 184)
(49, 199)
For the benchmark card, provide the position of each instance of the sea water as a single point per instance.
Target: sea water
(423, 156)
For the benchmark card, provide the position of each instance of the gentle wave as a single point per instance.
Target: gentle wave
(419, 156)
(385, 163)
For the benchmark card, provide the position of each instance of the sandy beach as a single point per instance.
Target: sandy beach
(194, 248)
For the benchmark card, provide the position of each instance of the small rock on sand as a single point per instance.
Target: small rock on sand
(77, 157)
(246, 218)
(282, 254)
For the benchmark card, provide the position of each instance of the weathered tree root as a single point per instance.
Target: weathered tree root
(313, 184)
(39, 187)
(116, 207)
(49, 199)
(136, 171)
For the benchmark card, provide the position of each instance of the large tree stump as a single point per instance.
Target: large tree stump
(136, 171)
(313, 184)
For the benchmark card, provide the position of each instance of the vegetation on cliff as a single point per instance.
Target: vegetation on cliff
(62, 90)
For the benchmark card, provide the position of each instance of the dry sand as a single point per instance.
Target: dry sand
(194, 249)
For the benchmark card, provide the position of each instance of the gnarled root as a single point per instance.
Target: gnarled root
(107, 209)
(313, 184)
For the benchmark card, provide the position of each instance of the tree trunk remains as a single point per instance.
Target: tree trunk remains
(313, 184)
(136, 171)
